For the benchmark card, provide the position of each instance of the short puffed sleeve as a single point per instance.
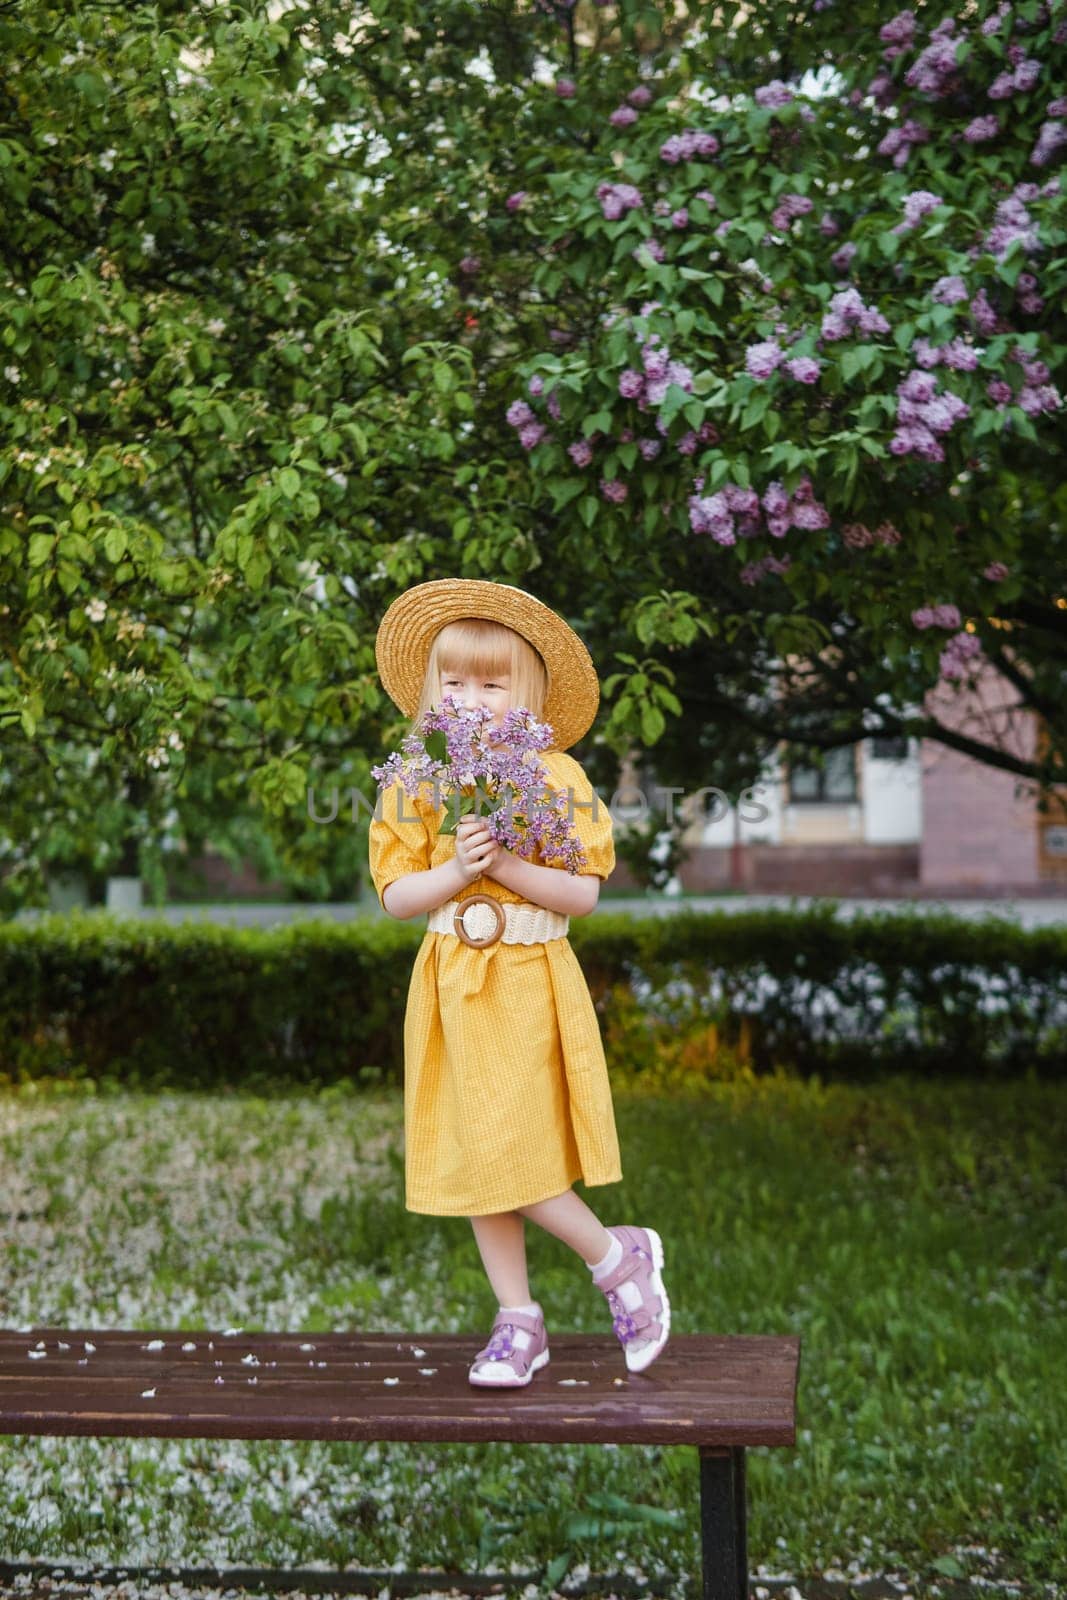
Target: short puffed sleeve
(398, 839)
(590, 814)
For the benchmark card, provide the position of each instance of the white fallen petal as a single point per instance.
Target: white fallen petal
(390, 1380)
(427, 1372)
(36, 1355)
(154, 1344)
(148, 1394)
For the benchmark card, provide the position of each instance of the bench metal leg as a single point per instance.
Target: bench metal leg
(722, 1524)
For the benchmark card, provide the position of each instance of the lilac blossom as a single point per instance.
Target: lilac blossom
(899, 30)
(961, 654)
(848, 313)
(687, 145)
(514, 201)
(917, 205)
(922, 414)
(935, 67)
(949, 291)
(615, 198)
(773, 94)
(531, 434)
(763, 359)
(804, 369)
(996, 572)
(581, 452)
(614, 489)
(1011, 222)
(841, 259)
(982, 313)
(566, 88)
(622, 116)
(480, 761)
(981, 128)
(640, 96)
(1050, 136)
(946, 616)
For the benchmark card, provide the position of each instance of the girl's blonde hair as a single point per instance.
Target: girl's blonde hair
(482, 647)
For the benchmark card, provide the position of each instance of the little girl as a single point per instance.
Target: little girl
(506, 1092)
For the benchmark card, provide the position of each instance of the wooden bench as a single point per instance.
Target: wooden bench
(720, 1394)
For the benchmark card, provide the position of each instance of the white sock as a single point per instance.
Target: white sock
(521, 1340)
(628, 1291)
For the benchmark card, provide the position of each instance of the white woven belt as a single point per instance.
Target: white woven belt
(484, 920)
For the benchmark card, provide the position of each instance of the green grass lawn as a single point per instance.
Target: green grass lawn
(914, 1235)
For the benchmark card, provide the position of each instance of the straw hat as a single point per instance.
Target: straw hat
(412, 622)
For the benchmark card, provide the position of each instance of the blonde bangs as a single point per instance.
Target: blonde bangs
(482, 648)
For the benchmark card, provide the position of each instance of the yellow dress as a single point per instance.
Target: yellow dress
(506, 1093)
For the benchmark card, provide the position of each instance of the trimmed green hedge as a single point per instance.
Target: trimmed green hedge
(202, 1004)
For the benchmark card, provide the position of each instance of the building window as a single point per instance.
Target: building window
(889, 747)
(835, 780)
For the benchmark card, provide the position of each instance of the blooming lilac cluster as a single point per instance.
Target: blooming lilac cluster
(1012, 223)
(983, 314)
(734, 512)
(841, 259)
(1030, 302)
(753, 571)
(763, 359)
(898, 33)
(935, 71)
(847, 314)
(1023, 73)
(916, 206)
(651, 247)
(899, 142)
(689, 145)
(860, 537)
(788, 207)
(649, 388)
(1037, 394)
(961, 655)
(979, 129)
(947, 616)
(957, 354)
(521, 416)
(528, 814)
(996, 572)
(922, 414)
(1050, 136)
(949, 291)
(773, 95)
(615, 198)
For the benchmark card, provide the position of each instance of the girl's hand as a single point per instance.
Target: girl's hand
(476, 849)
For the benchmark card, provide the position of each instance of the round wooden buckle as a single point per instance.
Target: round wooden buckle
(490, 938)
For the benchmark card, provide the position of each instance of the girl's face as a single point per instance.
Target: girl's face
(494, 692)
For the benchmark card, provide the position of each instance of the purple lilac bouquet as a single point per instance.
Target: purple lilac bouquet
(461, 752)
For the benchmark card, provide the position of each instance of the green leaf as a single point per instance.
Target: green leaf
(115, 542)
(289, 481)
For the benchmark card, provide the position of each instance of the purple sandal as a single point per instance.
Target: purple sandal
(642, 1262)
(501, 1347)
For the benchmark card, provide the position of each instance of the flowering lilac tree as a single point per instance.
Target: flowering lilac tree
(826, 367)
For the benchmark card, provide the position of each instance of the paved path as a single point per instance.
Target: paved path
(1029, 913)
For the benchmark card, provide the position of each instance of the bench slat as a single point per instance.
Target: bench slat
(705, 1389)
